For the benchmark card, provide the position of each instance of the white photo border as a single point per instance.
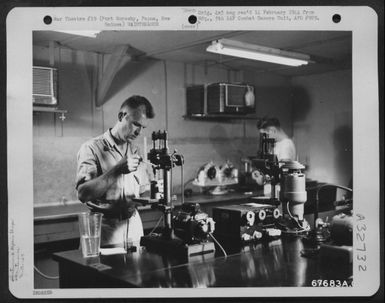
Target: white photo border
(22, 21)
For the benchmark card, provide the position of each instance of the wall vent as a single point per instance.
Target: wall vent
(45, 86)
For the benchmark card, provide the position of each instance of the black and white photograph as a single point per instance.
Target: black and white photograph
(223, 158)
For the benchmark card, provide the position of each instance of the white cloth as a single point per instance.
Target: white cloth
(117, 232)
(285, 149)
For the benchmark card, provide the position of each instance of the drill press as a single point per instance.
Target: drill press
(193, 226)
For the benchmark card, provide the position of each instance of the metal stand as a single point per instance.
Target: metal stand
(167, 242)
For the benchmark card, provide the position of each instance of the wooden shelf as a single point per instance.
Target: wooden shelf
(49, 109)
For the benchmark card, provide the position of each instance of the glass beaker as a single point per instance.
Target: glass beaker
(90, 226)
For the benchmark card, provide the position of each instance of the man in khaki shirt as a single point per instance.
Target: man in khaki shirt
(109, 173)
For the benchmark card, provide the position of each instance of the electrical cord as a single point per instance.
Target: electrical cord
(288, 211)
(332, 185)
(294, 218)
(220, 246)
(44, 275)
(293, 231)
(317, 197)
(156, 225)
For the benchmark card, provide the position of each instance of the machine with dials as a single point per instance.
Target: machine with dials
(185, 233)
(245, 223)
(282, 211)
(251, 221)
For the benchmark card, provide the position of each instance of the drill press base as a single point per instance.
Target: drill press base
(176, 246)
(292, 226)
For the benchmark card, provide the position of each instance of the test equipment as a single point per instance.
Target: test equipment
(185, 234)
(244, 223)
(287, 184)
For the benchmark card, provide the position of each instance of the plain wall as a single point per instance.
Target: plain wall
(55, 143)
(322, 123)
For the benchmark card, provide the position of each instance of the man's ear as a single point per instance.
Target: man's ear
(120, 116)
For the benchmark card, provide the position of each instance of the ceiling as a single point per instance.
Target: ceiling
(329, 50)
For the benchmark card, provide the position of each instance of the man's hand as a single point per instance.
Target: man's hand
(96, 188)
(128, 164)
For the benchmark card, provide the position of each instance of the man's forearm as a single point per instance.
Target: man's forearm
(96, 188)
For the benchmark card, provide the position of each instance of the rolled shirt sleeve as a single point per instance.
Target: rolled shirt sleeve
(87, 168)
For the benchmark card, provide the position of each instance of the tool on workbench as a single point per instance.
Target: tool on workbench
(187, 233)
(280, 210)
(240, 224)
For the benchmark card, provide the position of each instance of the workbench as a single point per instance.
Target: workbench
(60, 222)
(273, 263)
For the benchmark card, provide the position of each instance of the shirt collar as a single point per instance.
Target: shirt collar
(107, 136)
(111, 142)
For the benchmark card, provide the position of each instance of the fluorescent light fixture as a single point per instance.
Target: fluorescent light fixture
(85, 33)
(257, 52)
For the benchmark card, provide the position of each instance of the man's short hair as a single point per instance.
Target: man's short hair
(267, 122)
(135, 101)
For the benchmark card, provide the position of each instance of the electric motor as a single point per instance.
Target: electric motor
(293, 187)
(192, 225)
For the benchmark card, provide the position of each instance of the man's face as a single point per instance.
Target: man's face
(132, 122)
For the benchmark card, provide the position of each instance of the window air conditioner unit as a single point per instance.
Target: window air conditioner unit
(45, 86)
